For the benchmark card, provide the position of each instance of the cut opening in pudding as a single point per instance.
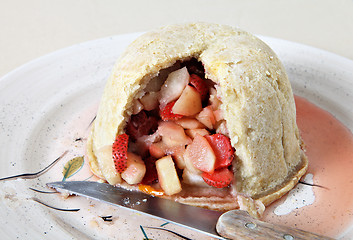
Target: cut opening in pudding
(176, 141)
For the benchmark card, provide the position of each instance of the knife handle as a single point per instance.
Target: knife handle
(238, 224)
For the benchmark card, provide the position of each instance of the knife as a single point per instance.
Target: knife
(234, 224)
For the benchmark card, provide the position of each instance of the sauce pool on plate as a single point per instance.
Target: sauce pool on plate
(329, 148)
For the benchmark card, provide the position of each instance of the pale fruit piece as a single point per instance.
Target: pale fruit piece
(141, 146)
(149, 139)
(189, 103)
(222, 128)
(206, 117)
(201, 154)
(150, 101)
(173, 86)
(167, 175)
(138, 107)
(189, 123)
(178, 156)
(157, 150)
(218, 114)
(214, 101)
(192, 132)
(189, 164)
(155, 84)
(135, 170)
(192, 178)
(106, 163)
(173, 135)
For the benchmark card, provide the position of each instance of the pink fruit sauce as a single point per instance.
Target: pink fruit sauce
(329, 147)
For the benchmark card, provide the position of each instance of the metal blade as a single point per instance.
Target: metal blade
(195, 218)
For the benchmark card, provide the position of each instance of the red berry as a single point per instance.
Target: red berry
(219, 178)
(200, 85)
(120, 152)
(222, 148)
(151, 171)
(167, 114)
(140, 125)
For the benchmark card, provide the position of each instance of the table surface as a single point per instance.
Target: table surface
(30, 29)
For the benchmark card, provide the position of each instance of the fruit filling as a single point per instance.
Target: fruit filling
(176, 137)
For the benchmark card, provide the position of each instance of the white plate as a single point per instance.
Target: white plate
(48, 103)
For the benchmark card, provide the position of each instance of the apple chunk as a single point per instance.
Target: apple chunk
(173, 86)
(201, 154)
(158, 149)
(173, 135)
(189, 123)
(135, 170)
(167, 175)
(192, 178)
(192, 132)
(150, 101)
(178, 156)
(138, 107)
(189, 103)
(206, 117)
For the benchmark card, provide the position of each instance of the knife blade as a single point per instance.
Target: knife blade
(201, 219)
(235, 224)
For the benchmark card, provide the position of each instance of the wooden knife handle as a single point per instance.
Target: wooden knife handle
(237, 224)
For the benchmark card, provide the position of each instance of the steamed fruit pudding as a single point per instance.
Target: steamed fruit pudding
(202, 114)
(176, 138)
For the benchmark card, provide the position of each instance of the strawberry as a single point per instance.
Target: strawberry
(140, 125)
(200, 85)
(222, 148)
(219, 178)
(151, 171)
(167, 114)
(120, 152)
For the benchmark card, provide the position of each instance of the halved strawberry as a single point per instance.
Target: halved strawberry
(200, 85)
(219, 178)
(222, 148)
(119, 149)
(167, 114)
